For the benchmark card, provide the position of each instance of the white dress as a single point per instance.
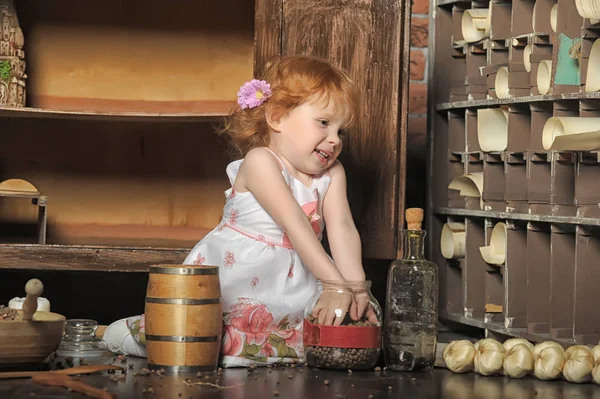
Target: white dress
(265, 287)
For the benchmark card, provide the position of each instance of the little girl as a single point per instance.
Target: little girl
(288, 184)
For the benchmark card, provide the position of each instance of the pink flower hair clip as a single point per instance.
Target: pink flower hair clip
(253, 93)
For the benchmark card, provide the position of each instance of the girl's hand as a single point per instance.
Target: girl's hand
(332, 306)
(361, 306)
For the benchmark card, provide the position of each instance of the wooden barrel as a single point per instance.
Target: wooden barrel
(183, 318)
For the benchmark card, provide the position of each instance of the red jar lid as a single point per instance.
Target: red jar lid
(342, 336)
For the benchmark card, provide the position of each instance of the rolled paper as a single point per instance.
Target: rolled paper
(544, 77)
(475, 24)
(453, 243)
(571, 134)
(17, 303)
(527, 57)
(592, 80)
(495, 252)
(492, 129)
(588, 8)
(554, 17)
(501, 83)
(469, 185)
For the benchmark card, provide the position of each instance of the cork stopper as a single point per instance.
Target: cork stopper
(414, 218)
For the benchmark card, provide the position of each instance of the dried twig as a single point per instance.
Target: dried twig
(210, 384)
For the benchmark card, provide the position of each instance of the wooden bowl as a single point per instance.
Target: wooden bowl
(29, 342)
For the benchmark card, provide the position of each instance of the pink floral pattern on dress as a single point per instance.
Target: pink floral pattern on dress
(233, 341)
(291, 271)
(267, 350)
(311, 211)
(292, 338)
(254, 282)
(232, 193)
(228, 260)
(252, 318)
(233, 216)
(250, 331)
(199, 260)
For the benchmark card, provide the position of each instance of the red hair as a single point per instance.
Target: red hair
(294, 80)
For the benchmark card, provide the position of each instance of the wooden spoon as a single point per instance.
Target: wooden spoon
(70, 371)
(33, 289)
(62, 380)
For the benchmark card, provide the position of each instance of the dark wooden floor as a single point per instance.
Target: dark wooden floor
(301, 382)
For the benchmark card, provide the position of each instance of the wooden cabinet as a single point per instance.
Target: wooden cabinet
(123, 97)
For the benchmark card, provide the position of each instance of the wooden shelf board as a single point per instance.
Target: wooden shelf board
(39, 113)
(515, 100)
(87, 258)
(582, 221)
(511, 332)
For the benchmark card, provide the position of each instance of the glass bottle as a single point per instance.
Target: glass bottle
(411, 314)
(354, 344)
(80, 340)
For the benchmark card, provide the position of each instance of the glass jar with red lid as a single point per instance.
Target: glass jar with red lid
(342, 326)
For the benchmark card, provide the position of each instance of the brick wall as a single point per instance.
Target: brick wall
(417, 121)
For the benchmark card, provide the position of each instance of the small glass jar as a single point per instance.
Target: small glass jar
(353, 344)
(80, 339)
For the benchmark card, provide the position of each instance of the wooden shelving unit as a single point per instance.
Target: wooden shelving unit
(547, 202)
(122, 102)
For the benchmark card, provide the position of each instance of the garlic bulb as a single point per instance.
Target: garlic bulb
(508, 344)
(518, 361)
(549, 363)
(459, 355)
(579, 351)
(489, 355)
(579, 363)
(546, 344)
(596, 352)
(596, 373)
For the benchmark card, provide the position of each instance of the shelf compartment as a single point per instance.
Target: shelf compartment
(540, 113)
(474, 270)
(587, 183)
(501, 20)
(515, 184)
(587, 275)
(522, 17)
(141, 184)
(541, 50)
(110, 57)
(493, 281)
(562, 281)
(515, 276)
(457, 131)
(538, 176)
(87, 258)
(538, 278)
(493, 180)
(450, 271)
(472, 143)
